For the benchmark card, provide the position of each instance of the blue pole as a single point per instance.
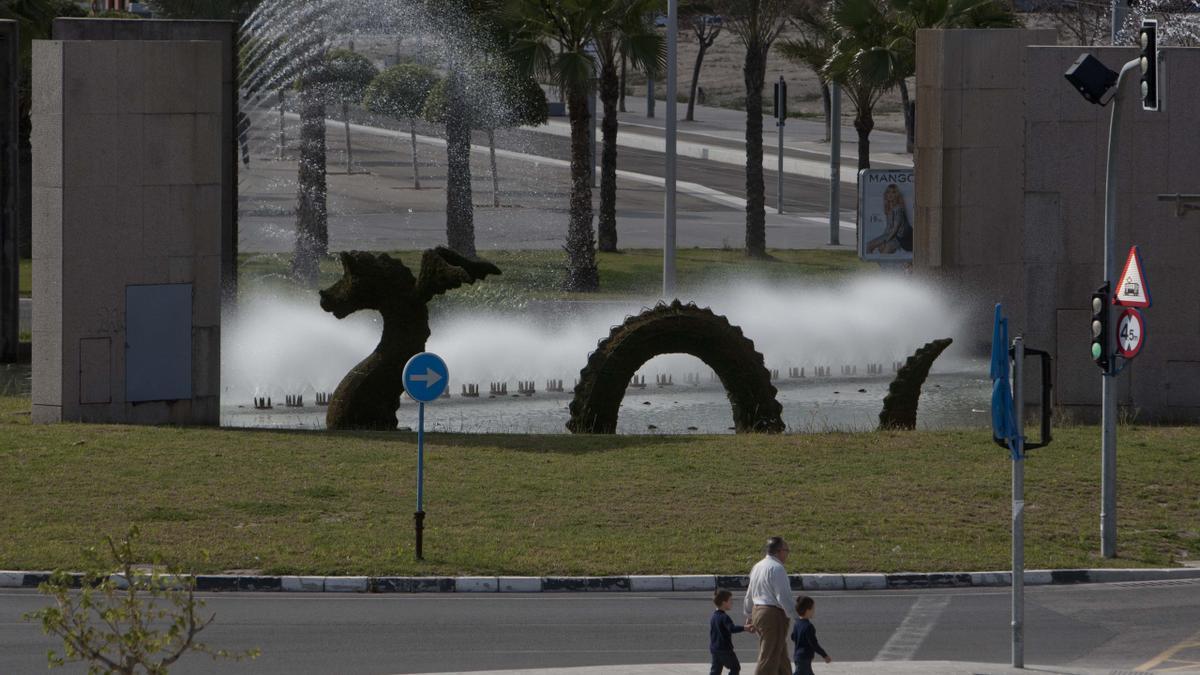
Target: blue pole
(420, 456)
(419, 516)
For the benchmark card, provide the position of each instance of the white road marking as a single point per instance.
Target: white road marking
(686, 187)
(907, 639)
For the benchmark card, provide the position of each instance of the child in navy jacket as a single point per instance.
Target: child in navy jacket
(720, 635)
(805, 637)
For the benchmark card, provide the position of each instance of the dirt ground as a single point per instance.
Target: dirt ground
(721, 75)
(721, 81)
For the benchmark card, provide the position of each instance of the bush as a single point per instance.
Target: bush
(127, 622)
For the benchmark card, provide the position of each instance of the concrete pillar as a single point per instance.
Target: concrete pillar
(127, 236)
(10, 74)
(224, 32)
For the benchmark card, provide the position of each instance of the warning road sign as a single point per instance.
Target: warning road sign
(1131, 285)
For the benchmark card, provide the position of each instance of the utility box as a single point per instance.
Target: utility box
(127, 231)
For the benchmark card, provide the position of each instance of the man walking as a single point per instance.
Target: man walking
(768, 605)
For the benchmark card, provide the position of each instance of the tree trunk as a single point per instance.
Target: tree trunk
(460, 217)
(909, 107)
(624, 82)
(412, 126)
(691, 109)
(349, 153)
(582, 273)
(863, 124)
(609, 93)
(312, 230)
(827, 102)
(491, 133)
(754, 73)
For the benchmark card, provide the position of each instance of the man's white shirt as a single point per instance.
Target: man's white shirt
(769, 585)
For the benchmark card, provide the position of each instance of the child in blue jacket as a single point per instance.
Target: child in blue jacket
(805, 637)
(720, 635)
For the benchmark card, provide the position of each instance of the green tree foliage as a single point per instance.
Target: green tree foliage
(348, 75)
(812, 46)
(399, 92)
(236, 10)
(131, 621)
(501, 98)
(877, 44)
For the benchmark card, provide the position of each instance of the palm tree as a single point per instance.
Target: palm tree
(913, 15)
(501, 99)
(876, 48)
(400, 92)
(629, 36)
(757, 24)
(813, 47)
(312, 214)
(551, 41)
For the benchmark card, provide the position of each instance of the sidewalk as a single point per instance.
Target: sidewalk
(718, 135)
(860, 668)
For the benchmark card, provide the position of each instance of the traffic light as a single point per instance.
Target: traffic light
(781, 100)
(1100, 301)
(1148, 39)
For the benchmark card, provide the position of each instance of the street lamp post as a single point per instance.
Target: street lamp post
(669, 205)
(835, 162)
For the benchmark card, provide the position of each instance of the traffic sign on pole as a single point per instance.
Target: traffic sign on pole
(1131, 333)
(425, 377)
(1131, 286)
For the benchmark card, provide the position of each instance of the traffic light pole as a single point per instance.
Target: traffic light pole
(1018, 506)
(1108, 414)
(670, 152)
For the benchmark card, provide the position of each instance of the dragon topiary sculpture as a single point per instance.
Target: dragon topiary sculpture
(368, 396)
(675, 329)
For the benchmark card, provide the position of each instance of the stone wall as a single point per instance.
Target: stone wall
(1010, 171)
(224, 32)
(127, 204)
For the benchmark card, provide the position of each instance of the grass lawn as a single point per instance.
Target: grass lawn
(632, 273)
(341, 503)
(25, 277)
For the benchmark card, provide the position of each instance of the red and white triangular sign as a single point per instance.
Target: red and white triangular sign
(1131, 285)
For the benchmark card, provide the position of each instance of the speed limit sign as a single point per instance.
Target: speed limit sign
(1131, 333)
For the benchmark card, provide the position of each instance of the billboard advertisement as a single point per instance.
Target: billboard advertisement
(885, 215)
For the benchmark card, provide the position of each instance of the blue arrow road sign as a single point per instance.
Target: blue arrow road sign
(425, 377)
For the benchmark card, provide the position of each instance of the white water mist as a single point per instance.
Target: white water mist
(291, 346)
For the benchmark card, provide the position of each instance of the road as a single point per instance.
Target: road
(376, 207)
(1116, 626)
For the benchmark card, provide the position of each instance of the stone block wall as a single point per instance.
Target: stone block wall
(224, 32)
(1010, 166)
(127, 193)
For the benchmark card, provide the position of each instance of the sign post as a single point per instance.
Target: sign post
(1008, 431)
(780, 119)
(835, 163)
(425, 378)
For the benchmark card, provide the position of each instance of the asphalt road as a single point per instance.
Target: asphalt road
(379, 210)
(1117, 626)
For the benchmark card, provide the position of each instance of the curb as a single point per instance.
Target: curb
(643, 583)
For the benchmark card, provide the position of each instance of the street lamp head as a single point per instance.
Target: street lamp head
(1091, 78)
